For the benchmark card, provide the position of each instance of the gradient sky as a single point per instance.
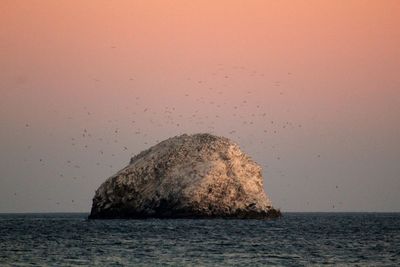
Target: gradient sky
(310, 89)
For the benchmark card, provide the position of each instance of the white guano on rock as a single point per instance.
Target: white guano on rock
(188, 176)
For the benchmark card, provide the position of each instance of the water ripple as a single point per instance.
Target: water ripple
(298, 239)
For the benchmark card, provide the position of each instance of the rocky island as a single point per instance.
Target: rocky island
(187, 176)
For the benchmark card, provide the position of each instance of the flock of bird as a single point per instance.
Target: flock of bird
(244, 120)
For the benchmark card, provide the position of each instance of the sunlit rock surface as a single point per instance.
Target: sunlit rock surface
(188, 176)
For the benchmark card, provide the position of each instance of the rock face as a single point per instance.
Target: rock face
(188, 176)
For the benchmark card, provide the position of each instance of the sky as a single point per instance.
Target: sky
(309, 89)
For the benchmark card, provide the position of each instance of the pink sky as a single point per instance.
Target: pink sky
(325, 72)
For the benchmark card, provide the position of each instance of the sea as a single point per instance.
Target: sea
(296, 239)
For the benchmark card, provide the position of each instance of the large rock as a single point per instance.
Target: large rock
(188, 176)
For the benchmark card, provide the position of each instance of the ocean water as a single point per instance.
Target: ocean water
(297, 239)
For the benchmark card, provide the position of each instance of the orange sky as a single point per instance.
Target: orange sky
(330, 66)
